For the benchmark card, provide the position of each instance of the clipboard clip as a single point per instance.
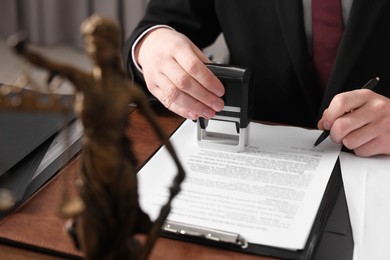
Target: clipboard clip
(207, 233)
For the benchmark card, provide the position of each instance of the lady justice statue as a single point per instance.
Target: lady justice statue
(108, 216)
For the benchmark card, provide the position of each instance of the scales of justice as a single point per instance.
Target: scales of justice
(105, 217)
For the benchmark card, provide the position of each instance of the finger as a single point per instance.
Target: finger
(179, 101)
(193, 63)
(168, 94)
(373, 138)
(345, 103)
(321, 122)
(348, 123)
(360, 136)
(373, 147)
(186, 83)
(200, 54)
(373, 115)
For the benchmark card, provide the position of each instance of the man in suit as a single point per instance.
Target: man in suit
(274, 38)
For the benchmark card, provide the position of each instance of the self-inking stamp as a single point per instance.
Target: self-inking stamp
(238, 98)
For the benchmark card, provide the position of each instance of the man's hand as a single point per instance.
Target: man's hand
(175, 73)
(360, 120)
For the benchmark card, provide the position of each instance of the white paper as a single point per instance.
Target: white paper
(269, 194)
(366, 184)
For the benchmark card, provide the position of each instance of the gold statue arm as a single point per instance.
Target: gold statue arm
(18, 42)
(140, 100)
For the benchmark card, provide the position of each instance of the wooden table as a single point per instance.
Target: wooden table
(36, 222)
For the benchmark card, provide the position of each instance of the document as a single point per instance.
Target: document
(366, 184)
(269, 194)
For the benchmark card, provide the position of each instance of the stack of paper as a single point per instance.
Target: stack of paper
(269, 194)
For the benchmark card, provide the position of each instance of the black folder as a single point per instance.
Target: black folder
(22, 132)
(33, 149)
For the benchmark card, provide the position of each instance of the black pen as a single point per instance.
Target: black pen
(369, 85)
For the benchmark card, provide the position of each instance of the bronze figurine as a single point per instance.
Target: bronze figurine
(107, 216)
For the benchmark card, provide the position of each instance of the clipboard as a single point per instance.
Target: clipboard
(330, 233)
(233, 241)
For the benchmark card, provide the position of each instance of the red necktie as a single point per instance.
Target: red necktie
(327, 26)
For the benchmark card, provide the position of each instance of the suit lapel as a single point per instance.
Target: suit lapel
(290, 14)
(363, 18)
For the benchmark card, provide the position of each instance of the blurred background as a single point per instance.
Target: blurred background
(58, 21)
(53, 27)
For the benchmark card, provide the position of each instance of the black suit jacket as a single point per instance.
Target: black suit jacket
(269, 37)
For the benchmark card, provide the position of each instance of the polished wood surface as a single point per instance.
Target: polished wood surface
(145, 143)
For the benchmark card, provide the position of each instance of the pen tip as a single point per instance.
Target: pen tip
(322, 137)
